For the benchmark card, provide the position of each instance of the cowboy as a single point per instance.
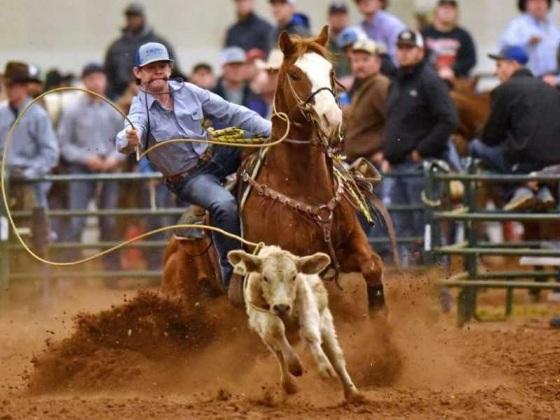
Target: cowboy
(169, 109)
(33, 151)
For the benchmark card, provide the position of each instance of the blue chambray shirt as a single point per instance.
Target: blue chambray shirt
(190, 105)
(542, 56)
(88, 127)
(34, 147)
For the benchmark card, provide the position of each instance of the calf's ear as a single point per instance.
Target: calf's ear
(244, 263)
(313, 264)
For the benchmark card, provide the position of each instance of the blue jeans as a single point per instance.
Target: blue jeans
(495, 159)
(407, 191)
(204, 188)
(79, 195)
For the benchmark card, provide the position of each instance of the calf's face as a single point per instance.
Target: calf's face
(278, 274)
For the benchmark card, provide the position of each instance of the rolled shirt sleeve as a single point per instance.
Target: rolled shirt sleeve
(231, 115)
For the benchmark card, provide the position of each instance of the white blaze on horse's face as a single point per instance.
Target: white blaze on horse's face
(318, 70)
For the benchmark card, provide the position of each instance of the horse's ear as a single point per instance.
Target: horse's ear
(323, 37)
(285, 44)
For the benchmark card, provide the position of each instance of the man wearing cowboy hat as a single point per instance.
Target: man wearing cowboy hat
(535, 32)
(169, 109)
(33, 151)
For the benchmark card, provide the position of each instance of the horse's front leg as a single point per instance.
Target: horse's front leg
(358, 256)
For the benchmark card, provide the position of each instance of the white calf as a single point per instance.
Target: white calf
(285, 291)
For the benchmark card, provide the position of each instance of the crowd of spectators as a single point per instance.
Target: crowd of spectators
(397, 105)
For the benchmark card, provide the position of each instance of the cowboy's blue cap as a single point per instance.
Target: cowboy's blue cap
(349, 36)
(150, 53)
(513, 53)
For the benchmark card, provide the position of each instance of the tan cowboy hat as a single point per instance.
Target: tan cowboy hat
(16, 72)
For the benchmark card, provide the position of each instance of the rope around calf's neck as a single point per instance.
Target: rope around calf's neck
(9, 138)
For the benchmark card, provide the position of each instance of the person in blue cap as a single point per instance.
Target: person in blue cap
(521, 134)
(168, 109)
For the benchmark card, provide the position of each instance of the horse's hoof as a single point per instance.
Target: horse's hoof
(376, 298)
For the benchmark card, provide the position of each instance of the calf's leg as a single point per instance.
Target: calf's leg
(272, 333)
(336, 357)
(311, 333)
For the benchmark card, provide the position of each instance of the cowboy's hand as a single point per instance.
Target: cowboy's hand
(132, 136)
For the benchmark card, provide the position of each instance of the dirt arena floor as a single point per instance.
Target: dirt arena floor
(129, 356)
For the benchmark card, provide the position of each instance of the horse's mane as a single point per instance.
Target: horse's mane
(306, 45)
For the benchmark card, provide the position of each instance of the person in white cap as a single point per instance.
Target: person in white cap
(168, 109)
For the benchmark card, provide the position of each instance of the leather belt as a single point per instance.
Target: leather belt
(202, 160)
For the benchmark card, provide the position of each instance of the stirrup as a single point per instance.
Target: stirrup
(194, 215)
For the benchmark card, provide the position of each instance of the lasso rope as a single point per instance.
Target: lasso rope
(231, 137)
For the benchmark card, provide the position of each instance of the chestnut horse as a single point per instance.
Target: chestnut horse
(295, 202)
(300, 169)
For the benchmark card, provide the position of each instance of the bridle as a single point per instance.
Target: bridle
(321, 215)
(305, 108)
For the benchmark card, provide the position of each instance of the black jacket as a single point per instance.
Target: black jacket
(420, 115)
(525, 117)
(120, 56)
(251, 32)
